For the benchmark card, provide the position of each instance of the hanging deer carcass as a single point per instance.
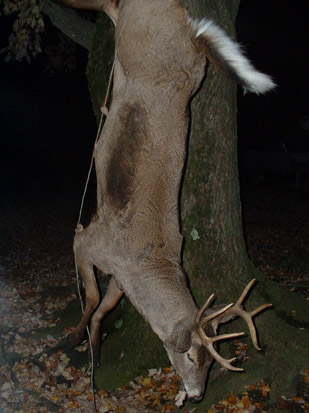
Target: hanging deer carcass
(160, 60)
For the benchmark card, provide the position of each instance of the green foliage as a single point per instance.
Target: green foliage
(25, 40)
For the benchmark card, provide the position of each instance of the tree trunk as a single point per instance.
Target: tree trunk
(70, 23)
(211, 211)
(215, 256)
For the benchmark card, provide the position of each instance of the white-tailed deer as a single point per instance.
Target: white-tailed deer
(160, 61)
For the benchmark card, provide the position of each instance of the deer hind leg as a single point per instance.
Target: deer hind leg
(85, 268)
(111, 298)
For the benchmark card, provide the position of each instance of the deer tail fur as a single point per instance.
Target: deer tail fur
(228, 57)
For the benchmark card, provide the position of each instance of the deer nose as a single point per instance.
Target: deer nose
(196, 399)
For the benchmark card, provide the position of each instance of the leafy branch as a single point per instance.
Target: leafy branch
(25, 39)
(24, 43)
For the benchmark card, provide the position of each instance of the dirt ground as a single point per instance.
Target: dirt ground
(37, 279)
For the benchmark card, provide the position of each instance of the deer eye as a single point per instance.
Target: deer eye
(188, 355)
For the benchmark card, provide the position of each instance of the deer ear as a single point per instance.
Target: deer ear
(180, 339)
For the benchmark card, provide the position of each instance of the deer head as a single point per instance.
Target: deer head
(191, 349)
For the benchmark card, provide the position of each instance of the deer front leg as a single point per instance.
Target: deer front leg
(85, 268)
(111, 298)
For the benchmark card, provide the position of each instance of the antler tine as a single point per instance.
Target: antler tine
(261, 308)
(248, 319)
(243, 296)
(224, 336)
(224, 313)
(201, 311)
(245, 292)
(224, 362)
(238, 310)
(215, 314)
(208, 342)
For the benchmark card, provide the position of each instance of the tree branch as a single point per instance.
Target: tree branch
(70, 23)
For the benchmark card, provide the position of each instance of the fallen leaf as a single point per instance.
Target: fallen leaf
(146, 381)
(246, 401)
(102, 393)
(232, 399)
(250, 387)
(298, 400)
(265, 390)
(6, 386)
(180, 398)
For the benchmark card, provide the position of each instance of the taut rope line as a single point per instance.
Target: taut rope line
(104, 111)
(79, 227)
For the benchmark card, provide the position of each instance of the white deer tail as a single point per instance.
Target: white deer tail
(227, 56)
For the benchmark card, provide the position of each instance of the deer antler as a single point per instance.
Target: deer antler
(208, 342)
(223, 315)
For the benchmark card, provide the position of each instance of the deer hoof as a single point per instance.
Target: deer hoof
(93, 356)
(73, 340)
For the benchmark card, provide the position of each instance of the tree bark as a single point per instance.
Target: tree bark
(214, 256)
(70, 23)
(210, 208)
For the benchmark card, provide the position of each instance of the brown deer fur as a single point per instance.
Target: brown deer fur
(159, 63)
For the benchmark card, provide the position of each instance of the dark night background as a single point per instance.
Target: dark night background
(48, 127)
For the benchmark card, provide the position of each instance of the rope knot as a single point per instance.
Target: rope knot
(104, 109)
(79, 228)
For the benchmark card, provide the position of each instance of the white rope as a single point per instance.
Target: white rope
(89, 338)
(104, 111)
(79, 227)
